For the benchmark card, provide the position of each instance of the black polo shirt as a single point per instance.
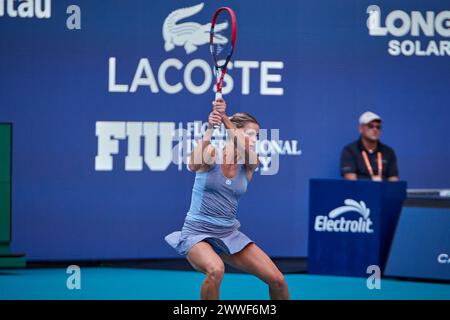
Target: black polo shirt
(352, 160)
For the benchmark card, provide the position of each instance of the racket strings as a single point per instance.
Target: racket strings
(222, 37)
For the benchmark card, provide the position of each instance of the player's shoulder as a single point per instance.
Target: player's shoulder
(208, 160)
(210, 156)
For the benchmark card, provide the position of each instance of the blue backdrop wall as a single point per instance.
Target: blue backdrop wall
(307, 68)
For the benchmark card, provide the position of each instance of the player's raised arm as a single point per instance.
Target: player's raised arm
(204, 153)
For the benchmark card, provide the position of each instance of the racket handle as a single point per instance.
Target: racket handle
(218, 96)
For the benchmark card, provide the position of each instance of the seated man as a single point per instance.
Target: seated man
(367, 157)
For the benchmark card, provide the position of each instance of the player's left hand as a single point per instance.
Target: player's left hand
(219, 105)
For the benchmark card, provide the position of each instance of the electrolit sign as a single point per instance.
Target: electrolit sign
(336, 222)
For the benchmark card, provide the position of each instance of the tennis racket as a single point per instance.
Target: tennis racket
(222, 42)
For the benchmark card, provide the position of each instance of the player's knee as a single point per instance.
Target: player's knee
(277, 281)
(215, 272)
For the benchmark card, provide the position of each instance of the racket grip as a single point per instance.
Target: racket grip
(218, 96)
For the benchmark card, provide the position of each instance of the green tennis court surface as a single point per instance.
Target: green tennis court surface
(122, 283)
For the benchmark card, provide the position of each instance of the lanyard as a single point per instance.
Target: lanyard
(369, 166)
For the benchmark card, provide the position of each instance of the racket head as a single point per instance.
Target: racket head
(222, 39)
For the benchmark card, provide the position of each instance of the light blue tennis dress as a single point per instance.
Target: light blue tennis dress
(212, 215)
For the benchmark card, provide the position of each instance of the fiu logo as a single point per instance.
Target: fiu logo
(188, 34)
(164, 144)
(26, 8)
(330, 223)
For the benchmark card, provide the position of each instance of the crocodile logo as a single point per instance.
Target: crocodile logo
(189, 35)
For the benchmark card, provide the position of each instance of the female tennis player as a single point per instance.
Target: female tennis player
(210, 235)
